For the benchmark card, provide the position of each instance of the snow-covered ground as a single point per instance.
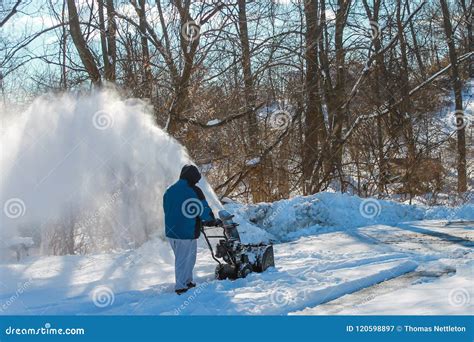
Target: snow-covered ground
(434, 289)
(334, 253)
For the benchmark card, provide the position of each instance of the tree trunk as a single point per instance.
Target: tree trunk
(63, 46)
(380, 89)
(467, 9)
(110, 74)
(258, 179)
(146, 68)
(103, 38)
(404, 108)
(416, 48)
(457, 88)
(314, 125)
(283, 177)
(81, 45)
(339, 90)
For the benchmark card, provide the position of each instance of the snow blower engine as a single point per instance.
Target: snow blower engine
(238, 260)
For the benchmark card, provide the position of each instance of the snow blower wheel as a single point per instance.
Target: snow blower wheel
(244, 271)
(225, 271)
(266, 260)
(237, 260)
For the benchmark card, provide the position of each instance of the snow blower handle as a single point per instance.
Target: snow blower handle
(230, 227)
(209, 245)
(213, 223)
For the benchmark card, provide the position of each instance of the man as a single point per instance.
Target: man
(186, 211)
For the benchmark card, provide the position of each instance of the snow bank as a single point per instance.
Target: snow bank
(288, 219)
(464, 212)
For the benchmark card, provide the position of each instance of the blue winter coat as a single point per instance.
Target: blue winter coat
(184, 211)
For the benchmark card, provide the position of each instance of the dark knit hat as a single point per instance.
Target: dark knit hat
(190, 173)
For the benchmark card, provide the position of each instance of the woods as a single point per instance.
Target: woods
(272, 98)
(237, 157)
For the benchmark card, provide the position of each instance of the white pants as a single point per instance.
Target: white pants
(184, 260)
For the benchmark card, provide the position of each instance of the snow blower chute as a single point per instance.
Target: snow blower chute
(238, 260)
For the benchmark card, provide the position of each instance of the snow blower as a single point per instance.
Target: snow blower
(238, 260)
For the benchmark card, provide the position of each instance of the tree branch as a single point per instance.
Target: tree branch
(11, 14)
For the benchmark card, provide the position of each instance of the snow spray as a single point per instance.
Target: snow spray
(86, 173)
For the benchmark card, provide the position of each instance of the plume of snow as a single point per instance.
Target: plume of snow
(91, 169)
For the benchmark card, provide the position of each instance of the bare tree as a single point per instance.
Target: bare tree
(314, 125)
(107, 38)
(457, 88)
(81, 45)
(10, 13)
